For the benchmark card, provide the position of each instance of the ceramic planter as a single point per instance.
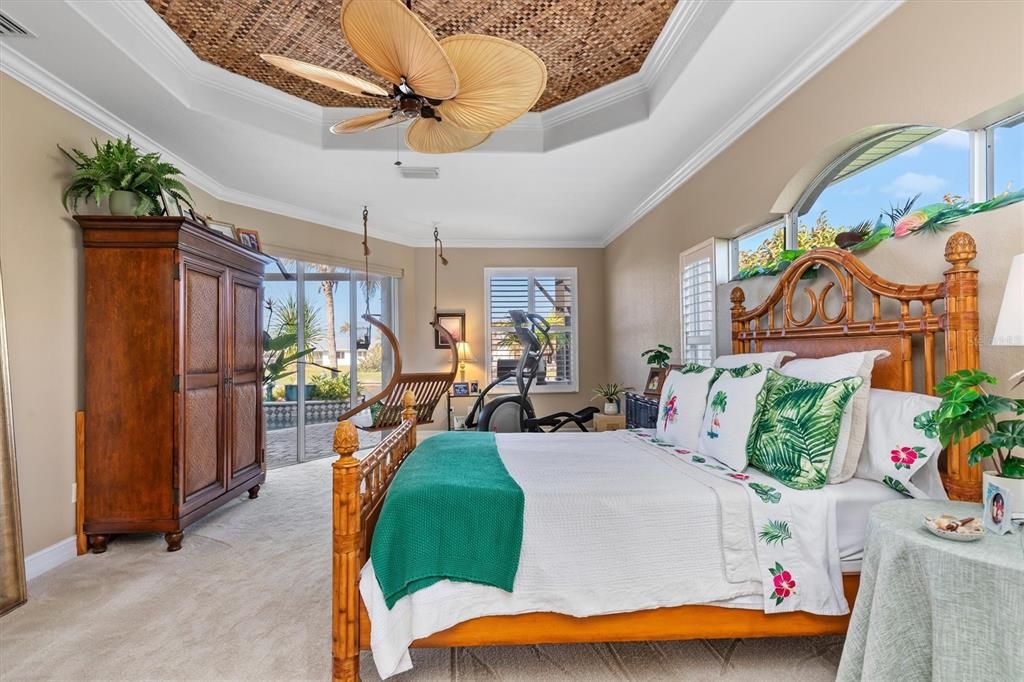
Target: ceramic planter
(123, 202)
(611, 407)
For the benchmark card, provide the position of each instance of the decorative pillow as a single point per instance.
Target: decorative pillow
(855, 421)
(796, 428)
(732, 403)
(897, 453)
(683, 398)
(773, 360)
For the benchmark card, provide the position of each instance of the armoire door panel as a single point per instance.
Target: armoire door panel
(245, 320)
(245, 440)
(203, 459)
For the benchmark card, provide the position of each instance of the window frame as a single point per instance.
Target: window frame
(720, 252)
(988, 164)
(531, 273)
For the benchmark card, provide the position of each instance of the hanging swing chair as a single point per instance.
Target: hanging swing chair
(386, 406)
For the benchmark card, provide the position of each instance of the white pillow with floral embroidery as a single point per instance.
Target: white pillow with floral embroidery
(728, 417)
(683, 398)
(897, 453)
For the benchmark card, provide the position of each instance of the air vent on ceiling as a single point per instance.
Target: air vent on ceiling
(420, 172)
(9, 27)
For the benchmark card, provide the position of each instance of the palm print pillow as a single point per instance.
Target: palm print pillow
(898, 453)
(795, 430)
(732, 404)
(683, 398)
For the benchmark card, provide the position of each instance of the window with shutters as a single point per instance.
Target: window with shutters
(548, 292)
(698, 277)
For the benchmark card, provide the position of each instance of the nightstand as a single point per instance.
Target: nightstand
(609, 422)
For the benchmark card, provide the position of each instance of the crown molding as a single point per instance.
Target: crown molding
(16, 65)
(846, 31)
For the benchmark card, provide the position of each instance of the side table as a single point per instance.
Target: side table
(609, 422)
(935, 609)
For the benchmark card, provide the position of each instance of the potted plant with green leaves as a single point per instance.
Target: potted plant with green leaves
(129, 180)
(967, 408)
(658, 356)
(612, 396)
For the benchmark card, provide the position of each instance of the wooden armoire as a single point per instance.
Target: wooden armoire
(173, 375)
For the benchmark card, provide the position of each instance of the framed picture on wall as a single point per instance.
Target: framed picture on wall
(455, 324)
(654, 379)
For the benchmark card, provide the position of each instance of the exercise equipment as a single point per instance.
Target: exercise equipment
(515, 413)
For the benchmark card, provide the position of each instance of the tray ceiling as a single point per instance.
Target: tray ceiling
(584, 43)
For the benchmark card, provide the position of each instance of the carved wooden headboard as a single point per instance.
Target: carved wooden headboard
(902, 319)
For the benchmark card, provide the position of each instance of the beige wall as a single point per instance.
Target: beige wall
(461, 289)
(41, 262)
(965, 58)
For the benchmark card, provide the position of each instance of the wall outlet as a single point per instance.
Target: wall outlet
(74, 493)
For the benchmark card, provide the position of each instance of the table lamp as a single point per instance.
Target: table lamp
(465, 355)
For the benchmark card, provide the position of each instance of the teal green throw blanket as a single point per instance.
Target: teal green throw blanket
(453, 512)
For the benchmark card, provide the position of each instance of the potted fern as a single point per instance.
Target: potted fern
(129, 180)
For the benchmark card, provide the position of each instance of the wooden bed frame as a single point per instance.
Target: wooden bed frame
(360, 485)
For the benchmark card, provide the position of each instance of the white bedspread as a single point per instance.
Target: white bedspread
(610, 524)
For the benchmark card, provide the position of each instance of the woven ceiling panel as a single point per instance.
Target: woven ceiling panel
(584, 43)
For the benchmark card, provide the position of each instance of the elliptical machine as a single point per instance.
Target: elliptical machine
(515, 413)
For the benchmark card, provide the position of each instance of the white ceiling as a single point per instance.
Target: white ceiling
(575, 175)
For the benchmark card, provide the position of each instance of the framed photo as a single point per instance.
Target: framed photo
(460, 388)
(221, 228)
(998, 505)
(171, 205)
(654, 378)
(194, 217)
(455, 323)
(474, 387)
(250, 239)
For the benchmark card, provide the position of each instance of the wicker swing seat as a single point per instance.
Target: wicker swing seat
(428, 387)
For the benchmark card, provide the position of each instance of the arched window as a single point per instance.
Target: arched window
(909, 166)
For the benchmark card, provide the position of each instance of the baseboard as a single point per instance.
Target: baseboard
(50, 557)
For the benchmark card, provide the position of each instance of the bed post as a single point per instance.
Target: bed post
(737, 297)
(963, 482)
(409, 415)
(345, 569)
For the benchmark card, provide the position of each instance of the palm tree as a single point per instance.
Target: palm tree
(718, 404)
(285, 316)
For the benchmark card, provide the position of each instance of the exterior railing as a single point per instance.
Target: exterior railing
(279, 414)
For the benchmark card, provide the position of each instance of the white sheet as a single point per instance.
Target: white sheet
(853, 500)
(611, 524)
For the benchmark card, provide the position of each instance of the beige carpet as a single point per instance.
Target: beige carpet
(247, 598)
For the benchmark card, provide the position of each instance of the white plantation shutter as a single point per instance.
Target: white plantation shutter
(549, 292)
(698, 278)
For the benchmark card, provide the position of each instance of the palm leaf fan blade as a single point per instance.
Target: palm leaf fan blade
(393, 42)
(372, 121)
(337, 80)
(499, 81)
(429, 136)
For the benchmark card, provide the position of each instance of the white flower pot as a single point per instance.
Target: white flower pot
(123, 203)
(611, 408)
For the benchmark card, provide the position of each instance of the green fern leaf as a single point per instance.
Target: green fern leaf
(775, 532)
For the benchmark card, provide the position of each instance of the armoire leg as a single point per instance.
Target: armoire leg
(173, 540)
(254, 492)
(98, 543)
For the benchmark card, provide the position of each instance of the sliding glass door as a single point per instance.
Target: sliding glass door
(322, 356)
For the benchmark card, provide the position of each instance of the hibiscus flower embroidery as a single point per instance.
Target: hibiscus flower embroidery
(739, 477)
(683, 451)
(782, 582)
(904, 457)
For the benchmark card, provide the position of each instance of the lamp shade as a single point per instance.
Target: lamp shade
(465, 354)
(1010, 326)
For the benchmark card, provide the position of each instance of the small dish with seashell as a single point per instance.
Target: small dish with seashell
(953, 528)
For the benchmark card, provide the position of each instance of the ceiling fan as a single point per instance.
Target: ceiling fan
(455, 91)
